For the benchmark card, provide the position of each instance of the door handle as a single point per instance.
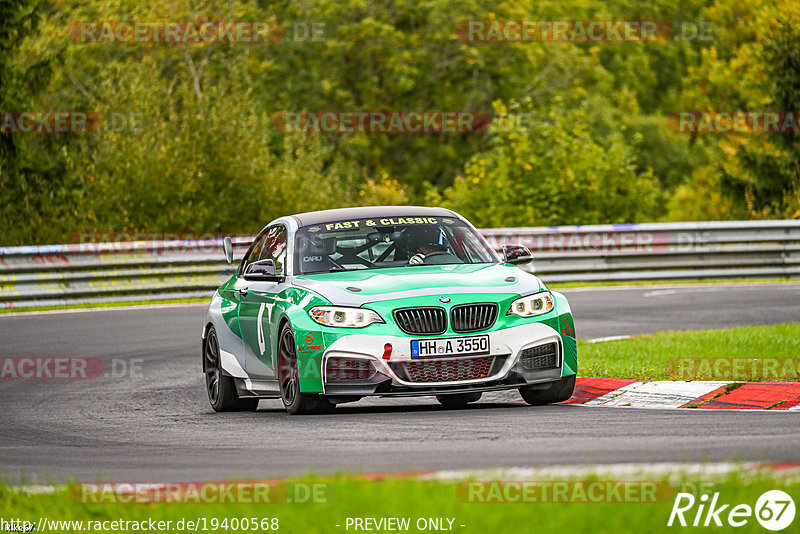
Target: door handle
(243, 291)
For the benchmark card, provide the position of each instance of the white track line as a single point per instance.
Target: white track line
(609, 338)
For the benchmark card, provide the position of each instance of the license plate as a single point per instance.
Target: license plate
(450, 346)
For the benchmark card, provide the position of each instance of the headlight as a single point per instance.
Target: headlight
(532, 305)
(344, 317)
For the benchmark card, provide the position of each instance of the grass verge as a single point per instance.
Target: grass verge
(750, 353)
(340, 498)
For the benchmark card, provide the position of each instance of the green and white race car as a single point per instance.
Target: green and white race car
(332, 306)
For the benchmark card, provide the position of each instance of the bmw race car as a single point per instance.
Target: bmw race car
(332, 306)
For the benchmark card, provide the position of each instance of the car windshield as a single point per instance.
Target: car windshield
(375, 243)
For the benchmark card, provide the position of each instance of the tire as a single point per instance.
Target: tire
(557, 392)
(296, 402)
(220, 388)
(458, 400)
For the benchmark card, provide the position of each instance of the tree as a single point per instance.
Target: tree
(32, 167)
(752, 66)
(552, 171)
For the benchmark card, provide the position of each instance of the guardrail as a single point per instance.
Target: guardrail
(154, 270)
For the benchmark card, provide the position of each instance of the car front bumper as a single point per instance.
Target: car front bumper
(404, 375)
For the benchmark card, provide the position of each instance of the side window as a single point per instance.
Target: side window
(275, 247)
(254, 252)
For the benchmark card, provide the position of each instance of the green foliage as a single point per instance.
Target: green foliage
(781, 184)
(552, 171)
(32, 177)
(206, 156)
(752, 66)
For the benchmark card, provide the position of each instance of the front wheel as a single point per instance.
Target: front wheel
(557, 392)
(296, 403)
(459, 400)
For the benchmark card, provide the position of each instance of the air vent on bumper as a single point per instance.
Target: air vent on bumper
(540, 357)
(345, 369)
(444, 370)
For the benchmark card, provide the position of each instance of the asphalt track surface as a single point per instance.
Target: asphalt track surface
(158, 426)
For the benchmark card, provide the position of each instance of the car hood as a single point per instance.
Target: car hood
(354, 288)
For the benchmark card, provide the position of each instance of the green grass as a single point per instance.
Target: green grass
(751, 353)
(90, 305)
(352, 497)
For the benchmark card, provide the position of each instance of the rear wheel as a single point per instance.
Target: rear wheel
(220, 387)
(557, 392)
(458, 400)
(296, 403)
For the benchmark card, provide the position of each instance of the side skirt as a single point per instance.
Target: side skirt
(263, 389)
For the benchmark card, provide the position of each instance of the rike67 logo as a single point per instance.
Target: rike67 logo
(774, 510)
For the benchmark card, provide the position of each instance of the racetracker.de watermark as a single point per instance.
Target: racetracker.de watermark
(68, 368)
(583, 31)
(565, 491)
(163, 242)
(208, 492)
(735, 122)
(733, 368)
(381, 122)
(605, 241)
(195, 32)
(71, 122)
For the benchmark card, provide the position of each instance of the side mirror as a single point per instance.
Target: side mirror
(261, 270)
(517, 254)
(227, 249)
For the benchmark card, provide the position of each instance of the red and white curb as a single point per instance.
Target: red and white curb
(704, 395)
